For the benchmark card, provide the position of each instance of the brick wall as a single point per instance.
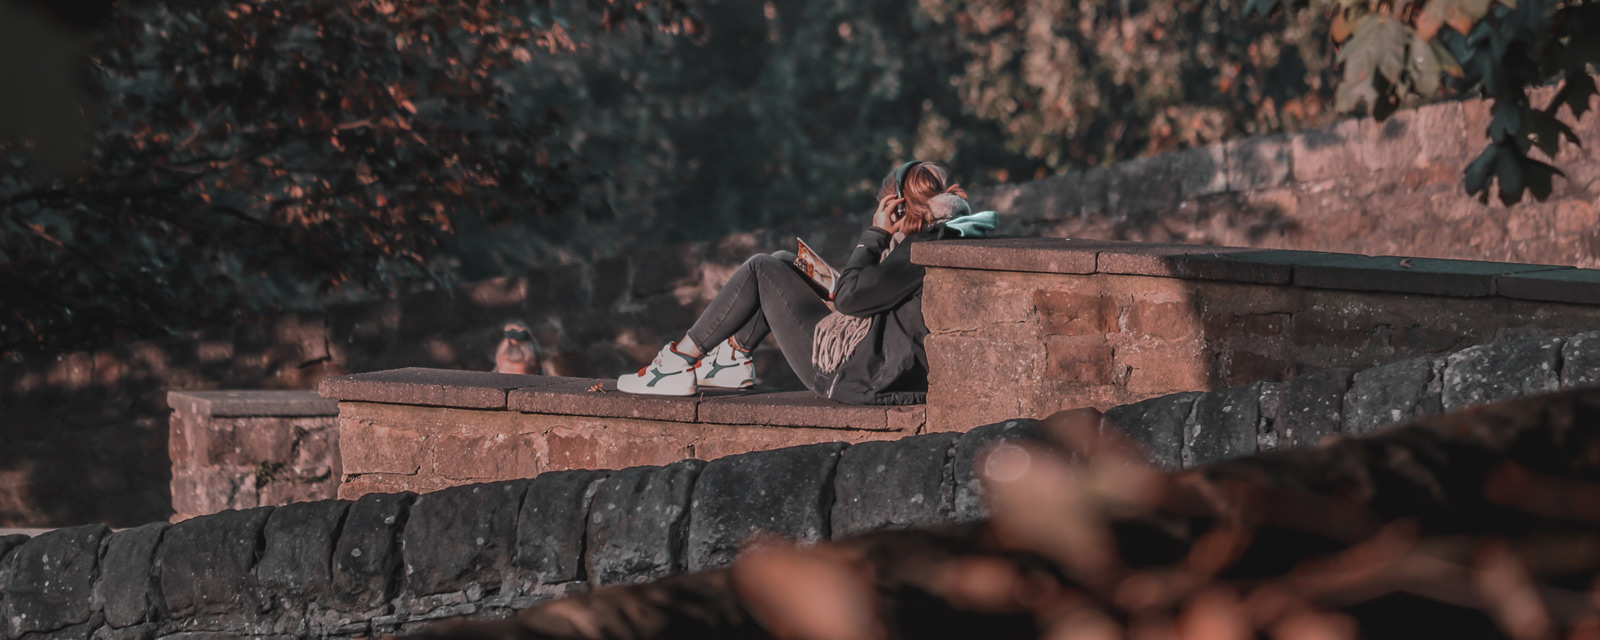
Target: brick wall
(242, 449)
(1029, 327)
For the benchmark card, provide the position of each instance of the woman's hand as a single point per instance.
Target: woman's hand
(883, 218)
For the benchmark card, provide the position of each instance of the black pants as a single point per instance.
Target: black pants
(766, 294)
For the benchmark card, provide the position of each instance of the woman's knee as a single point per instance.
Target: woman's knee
(764, 261)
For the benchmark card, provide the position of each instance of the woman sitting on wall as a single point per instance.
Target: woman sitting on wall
(863, 347)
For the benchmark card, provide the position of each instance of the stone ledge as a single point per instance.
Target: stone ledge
(244, 404)
(1312, 269)
(579, 397)
(431, 387)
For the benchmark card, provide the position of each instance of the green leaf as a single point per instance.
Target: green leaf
(1447, 62)
(1476, 176)
(1507, 120)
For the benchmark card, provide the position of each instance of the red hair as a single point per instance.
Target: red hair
(923, 183)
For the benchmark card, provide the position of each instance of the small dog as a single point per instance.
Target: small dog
(516, 353)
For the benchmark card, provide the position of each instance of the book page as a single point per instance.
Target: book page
(815, 268)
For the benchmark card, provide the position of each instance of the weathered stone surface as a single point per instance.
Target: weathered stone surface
(1254, 163)
(1580, 361)
(791, 409)
(52, 579)
(785, 491)
(1223, 425)
(1459, 278)
(893, 485)
(435, 387)
(1043, 255)
(1157, 425)
(1199, 262)
(968, 491)
(366, 560)
(637, 523)
(1311, 409)
(248, 403)
(550, 530)
(295, 563)
(1395, 392)
(1505, 369)
(126, 589)
(205, 565)
(461, 535)
(574, 397)
(1580, 286)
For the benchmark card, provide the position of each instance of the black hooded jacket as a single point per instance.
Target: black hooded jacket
(889, 366)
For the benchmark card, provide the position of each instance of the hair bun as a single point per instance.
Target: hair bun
(945, 206)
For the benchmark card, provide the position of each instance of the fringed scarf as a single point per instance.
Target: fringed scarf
(837, 334)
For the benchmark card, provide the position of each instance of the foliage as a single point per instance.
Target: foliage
(252, 153)
(1395, 50)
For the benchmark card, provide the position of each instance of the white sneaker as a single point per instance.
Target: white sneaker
(671, 374)
(726, 368)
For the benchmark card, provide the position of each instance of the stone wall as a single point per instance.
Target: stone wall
(427, 429)
(391, 563)
(74, 420)
(242, 449)
(1356, 186)
(1028, 327)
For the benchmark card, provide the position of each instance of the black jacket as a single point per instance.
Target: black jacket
(889, 366)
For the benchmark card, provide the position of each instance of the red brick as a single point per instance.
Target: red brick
(596, 449)
(355, 487)
(1159, 371)
(1066, 313)
(1079, 361)
(1161, 319)
(486, 457)
(370, 448)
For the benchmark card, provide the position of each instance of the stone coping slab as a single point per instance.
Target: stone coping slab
(250, 403)
(1313, 269)
(431, 387)
(590, 397)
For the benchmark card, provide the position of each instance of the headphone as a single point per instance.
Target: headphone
(900, 176)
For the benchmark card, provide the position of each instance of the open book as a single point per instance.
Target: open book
(811, 264)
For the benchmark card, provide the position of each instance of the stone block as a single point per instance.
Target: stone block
(1244, 367)
(431, 387)
(1079, 361)
(51, 579)
(1391, 145)
(789, 409)
(967, 491)
(1199, 262)
(1311, 408)
(366, 559)
(787, 492)
(1157, 425)
(550, 531)
(1142, 185)
(1223, 425)
(1037, 255)
(896, 484)
(459, 536)
(1327, 152)
(1069, 313)
(1165, 320)
(1201, 171)
(1577, 286)
(296, 562)
(1394, 274)
(1580, 361)
(1501, 370)
(572, 397)
(126, 591)
(252, 403)
(1395, 392)
(205, 565)
(1255, 163)
(365, 447)
(638, 523)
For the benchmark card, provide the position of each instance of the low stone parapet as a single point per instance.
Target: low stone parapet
(427, 429)
(243, 449)
(1027, 327)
